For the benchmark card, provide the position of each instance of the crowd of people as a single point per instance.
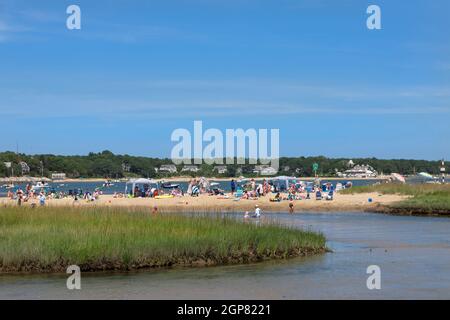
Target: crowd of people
(251, 189)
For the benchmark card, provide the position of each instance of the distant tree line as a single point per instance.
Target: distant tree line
(108, 165)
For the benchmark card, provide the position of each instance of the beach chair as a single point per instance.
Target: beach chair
(239, 193)
(318, 195)
(330, 195)
(195, 191)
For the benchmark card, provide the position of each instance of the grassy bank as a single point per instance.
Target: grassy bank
(425, 198)
(50, 239)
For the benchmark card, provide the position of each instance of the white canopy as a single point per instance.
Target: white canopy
(134, 182)
(426, 175)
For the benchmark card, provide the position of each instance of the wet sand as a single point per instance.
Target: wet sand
(341, 202)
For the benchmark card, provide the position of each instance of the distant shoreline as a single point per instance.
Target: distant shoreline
(178, 179)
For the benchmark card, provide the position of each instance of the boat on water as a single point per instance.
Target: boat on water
(107, 184)
(40, 185)
(168, 185)
(8, 186)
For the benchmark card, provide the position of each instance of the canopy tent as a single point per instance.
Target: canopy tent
(426, 175)
(283, 180)
(140, 181)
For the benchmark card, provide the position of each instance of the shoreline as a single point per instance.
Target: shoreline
(407, 211)
(188, 262)
(206, 203)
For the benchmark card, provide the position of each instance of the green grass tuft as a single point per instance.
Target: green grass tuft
(51, 238)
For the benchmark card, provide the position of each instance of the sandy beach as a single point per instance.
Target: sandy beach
(341, 202)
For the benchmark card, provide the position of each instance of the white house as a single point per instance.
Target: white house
(361, 171)
(221, 169)
(170, 168)
(58, 176)
(190, 168)
(265, 170)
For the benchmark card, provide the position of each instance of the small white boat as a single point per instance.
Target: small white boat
(40, 185)
(8, 186)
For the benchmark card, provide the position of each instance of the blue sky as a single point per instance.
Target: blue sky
(137, 70)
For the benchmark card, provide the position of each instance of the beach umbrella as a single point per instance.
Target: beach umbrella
(204, 183)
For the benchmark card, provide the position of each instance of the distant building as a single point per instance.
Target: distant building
(190, 168)
(361, 171)
(269, 171)
(58, 176)
(264, 170)
(286, 168)
(170, 168)
(221, 169)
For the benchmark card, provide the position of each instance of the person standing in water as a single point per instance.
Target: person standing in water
(257, 212)
(291, 206)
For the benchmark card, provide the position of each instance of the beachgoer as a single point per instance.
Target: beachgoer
(155, 210)
(291, 207)
(257, 211)
(233, 186)
(19, 194)
(42, 199)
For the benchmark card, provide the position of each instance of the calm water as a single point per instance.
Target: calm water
(412, 252)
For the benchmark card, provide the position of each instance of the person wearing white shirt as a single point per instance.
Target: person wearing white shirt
(257, 211)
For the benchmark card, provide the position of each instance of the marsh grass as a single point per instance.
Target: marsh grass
(426, 198)
(52, 238)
